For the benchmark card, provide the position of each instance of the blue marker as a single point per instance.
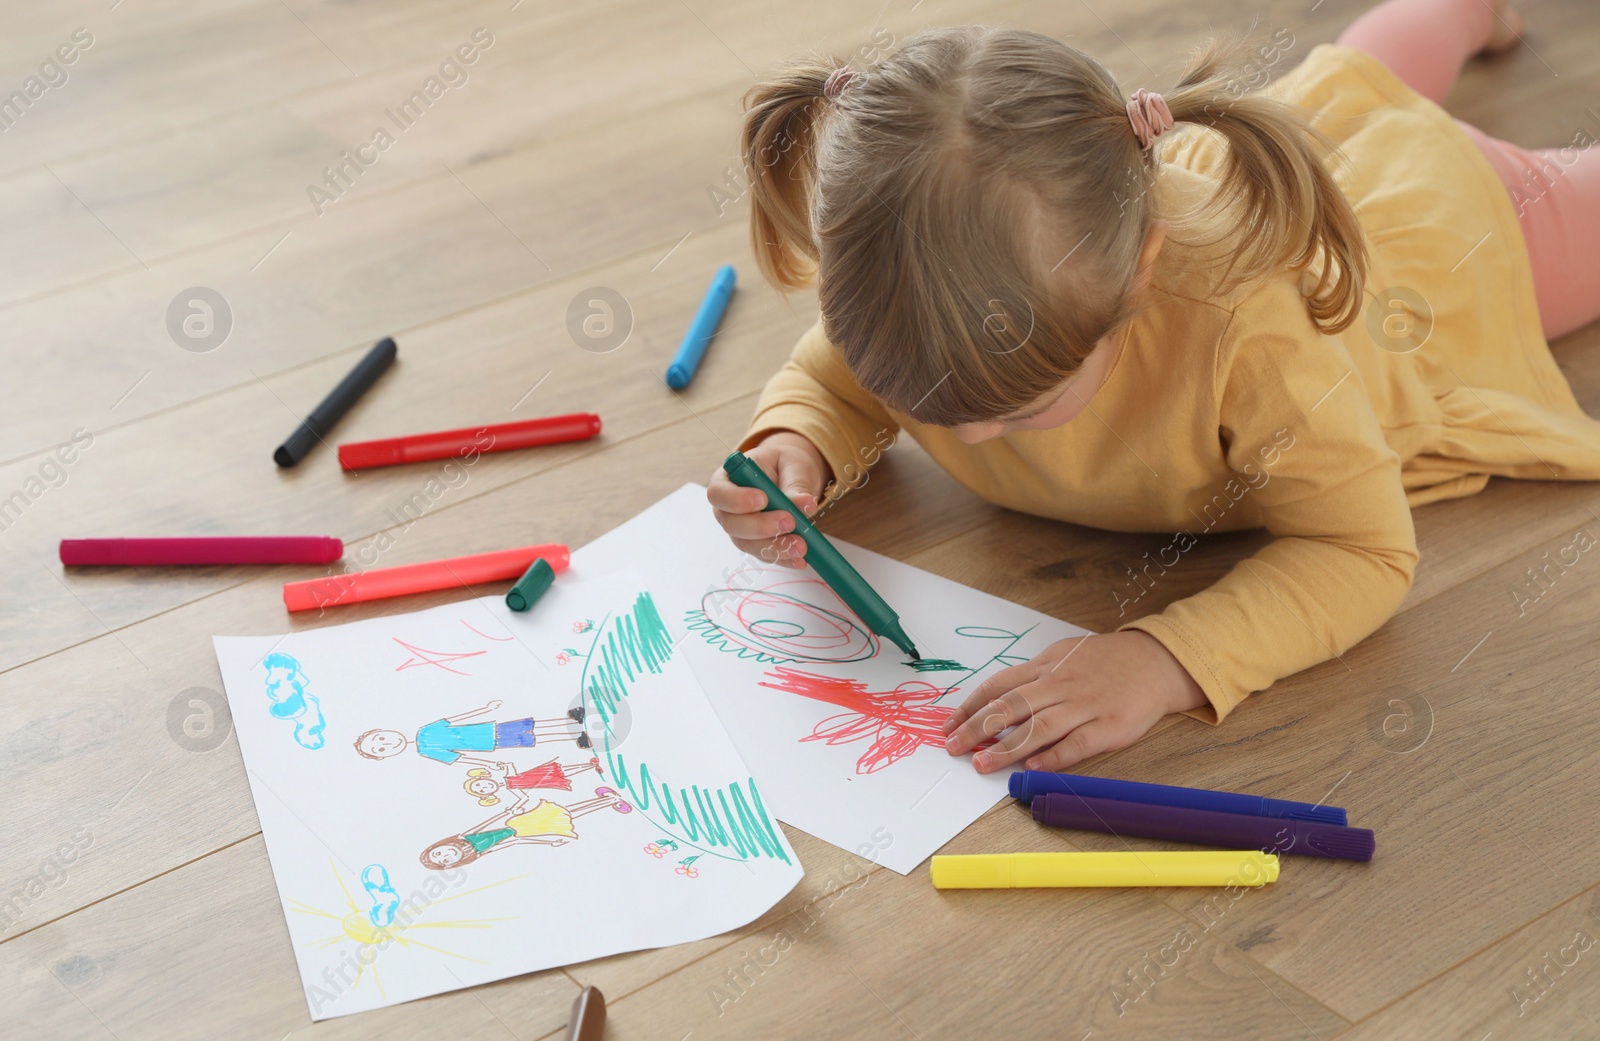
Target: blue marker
(1025, 784)
(698, 338)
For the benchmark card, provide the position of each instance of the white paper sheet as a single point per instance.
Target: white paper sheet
(858, 758)
(669, 841)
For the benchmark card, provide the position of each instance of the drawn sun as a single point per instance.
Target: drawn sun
(373, 928)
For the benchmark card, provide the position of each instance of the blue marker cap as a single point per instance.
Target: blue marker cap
(698, 338)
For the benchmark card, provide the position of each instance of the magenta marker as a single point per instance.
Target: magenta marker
(228, 549)
(1203, 827)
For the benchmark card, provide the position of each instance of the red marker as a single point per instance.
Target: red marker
(267, 549)
(550, 430)
(379, 583)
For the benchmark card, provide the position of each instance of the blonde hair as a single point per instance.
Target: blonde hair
(931, 197)
(475, 775)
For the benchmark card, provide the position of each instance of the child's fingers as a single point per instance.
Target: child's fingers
(728, 497)
(800, 477)
(988, 721)
(755, 526)
(1090, 739)
(1040, 730)
(989, 690)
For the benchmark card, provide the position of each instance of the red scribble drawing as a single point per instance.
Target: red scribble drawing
(486, 636)
(442, 659)
(897, 722)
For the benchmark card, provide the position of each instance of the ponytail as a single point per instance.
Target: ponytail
(778, 139)
(1287, 208)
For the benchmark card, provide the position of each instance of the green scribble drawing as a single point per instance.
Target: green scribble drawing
(638, 643)
(794, 620)
(731, 818)
(937, 665)
(730, 823)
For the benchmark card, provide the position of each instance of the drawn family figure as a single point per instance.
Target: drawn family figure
(485, 785)
(545, 824)
(449, 740)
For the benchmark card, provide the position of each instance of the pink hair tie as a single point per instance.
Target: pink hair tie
(1148, 113)
(838, 80)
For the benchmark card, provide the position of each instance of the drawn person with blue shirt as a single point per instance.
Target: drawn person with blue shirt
(450, 740)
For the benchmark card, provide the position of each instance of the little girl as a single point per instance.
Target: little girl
(546, 823)
(1308, 308)
(485, 786)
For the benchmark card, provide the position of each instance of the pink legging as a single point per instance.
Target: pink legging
(1556, 191)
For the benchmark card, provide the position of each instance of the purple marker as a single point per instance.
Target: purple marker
(1203, 827)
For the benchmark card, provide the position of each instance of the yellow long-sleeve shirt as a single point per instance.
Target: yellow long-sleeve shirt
(1223, 411)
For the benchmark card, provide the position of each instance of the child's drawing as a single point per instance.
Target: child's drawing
(485, 785)
(449, 740)
(731, 822)
(375, 880)
(620, 747)
(372, 930)
(438, 659)
(937, 665)
(660, 848)
(686, 867)
(782, 618)
(546, 824)
(286, 689)
(486, 636)
(897, 722)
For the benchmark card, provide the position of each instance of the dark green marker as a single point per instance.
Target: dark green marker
(823, 557)
(531, 585)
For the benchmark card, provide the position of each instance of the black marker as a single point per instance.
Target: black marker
(336, 404)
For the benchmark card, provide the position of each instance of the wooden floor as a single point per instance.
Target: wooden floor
(586, 148)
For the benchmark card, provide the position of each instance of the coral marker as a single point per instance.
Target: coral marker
(379, 583)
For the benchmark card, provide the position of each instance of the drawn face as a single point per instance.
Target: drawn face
(382, 743)
(484, 786)
(444, 856)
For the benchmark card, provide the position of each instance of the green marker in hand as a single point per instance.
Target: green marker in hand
(823, 557)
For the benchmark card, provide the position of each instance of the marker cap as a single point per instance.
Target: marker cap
(531, 586)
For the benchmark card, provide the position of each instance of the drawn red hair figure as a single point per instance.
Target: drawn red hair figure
(897, 721)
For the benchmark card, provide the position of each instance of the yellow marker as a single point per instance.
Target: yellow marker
(1040, 870)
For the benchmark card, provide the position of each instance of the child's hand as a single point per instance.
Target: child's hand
(798, 468)
(1081, 697)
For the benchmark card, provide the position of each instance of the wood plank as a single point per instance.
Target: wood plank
(573, 155)
(896, 958)
(1536, 982)
(1487, 759)
(205, 467)
(222, 946)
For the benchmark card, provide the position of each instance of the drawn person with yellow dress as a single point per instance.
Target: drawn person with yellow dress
(546, 823)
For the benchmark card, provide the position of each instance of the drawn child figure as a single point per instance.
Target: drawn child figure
(1220, 307)
(449, 740)
(553, 774)
(545, 824)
